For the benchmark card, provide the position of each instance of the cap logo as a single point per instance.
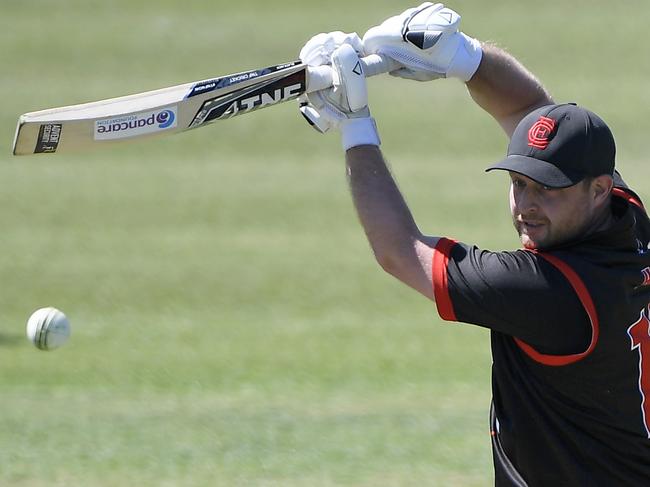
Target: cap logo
(540, 133)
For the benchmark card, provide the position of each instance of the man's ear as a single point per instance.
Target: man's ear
(601, 187)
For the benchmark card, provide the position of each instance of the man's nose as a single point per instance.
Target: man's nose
(526, 201)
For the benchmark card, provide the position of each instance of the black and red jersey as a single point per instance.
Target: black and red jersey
(570, 334)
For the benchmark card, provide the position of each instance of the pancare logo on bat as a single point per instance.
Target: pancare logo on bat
(137, 124)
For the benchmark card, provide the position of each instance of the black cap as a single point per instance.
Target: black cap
(559, 145)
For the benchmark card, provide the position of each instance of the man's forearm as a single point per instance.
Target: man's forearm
(505, 89)
(396, 241)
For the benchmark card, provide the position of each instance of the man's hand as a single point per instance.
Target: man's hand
(318, 50)
(343, 107)
(426, 41)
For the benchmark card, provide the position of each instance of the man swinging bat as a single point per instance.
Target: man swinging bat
(569, 312)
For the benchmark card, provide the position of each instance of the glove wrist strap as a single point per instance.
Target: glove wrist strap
(359, 131)
(467, 58)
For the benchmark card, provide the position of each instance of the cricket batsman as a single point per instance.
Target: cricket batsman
(569, 312)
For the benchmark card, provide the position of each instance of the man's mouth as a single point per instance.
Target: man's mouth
(530, 225)
(533, 224)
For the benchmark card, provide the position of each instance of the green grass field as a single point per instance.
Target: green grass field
(230, 326)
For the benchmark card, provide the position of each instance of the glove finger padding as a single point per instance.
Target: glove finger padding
(318, 50)
(320, 113)
(350, 90)
(429, 24)
(312, 115)
(415, 75)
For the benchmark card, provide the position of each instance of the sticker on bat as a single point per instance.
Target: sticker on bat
(49, 135)
(219, 83)
(137, 124)
(251, 98)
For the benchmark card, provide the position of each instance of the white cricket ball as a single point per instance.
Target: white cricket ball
(48, 328)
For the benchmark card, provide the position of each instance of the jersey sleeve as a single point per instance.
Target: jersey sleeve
(516, 293)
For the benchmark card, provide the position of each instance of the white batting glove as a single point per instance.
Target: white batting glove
(319, 49)
(343, 107)
(427, 42)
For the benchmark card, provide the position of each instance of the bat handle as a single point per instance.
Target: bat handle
(320, 77)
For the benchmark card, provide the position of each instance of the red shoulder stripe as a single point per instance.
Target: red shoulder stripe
(588, 303)
(439, 278)
(621, 193)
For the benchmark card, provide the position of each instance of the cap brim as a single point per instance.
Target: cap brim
(540, 171)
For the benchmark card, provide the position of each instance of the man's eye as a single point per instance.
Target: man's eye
(518, 183)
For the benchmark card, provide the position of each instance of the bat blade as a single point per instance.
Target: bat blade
(160, 112)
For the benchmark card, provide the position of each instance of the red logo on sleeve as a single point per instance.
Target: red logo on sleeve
(639, 333)
(540, 133)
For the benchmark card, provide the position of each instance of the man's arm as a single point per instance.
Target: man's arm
(505, 89)
(398, 245)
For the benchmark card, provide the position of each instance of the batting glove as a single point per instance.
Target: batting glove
(427, 42)
(318, 50)
(343, 107)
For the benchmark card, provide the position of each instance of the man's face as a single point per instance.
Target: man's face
(544, 217)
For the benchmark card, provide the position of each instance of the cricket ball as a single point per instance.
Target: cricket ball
(48, 328)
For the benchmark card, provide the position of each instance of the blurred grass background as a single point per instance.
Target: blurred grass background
(230, 326)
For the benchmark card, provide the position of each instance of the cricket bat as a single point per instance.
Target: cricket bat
(174, 109)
